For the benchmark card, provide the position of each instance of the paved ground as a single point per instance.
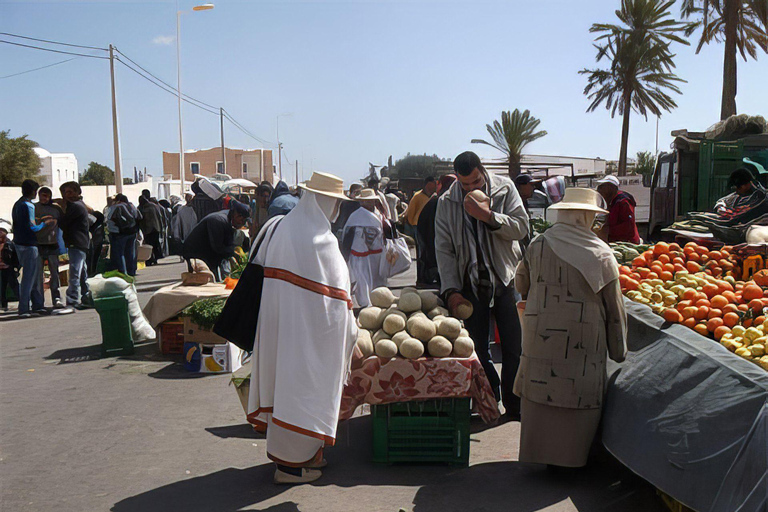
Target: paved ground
(79, 433)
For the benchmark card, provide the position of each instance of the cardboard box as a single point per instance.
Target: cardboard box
(193, 332)
(225, 358)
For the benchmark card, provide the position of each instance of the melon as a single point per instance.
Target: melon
(370, 318)
(463, 347)
(382, 297)
(412, 348)
(386, 349)
(439, 346)
(450, 328)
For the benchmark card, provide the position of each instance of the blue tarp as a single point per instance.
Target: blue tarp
(689, 416)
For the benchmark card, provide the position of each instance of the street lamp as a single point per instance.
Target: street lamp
(280, 146)
(203, 7)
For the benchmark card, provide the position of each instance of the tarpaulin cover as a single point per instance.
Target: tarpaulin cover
(689, 416)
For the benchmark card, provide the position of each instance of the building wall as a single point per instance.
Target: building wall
(58, 168)
(208, 158)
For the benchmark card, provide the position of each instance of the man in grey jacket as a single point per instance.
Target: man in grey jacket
(478, 225)
(48, 244)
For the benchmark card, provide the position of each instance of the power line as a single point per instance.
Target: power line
(243, 129)
(52, 42)
(169, 90)
(163, 81)
(52, 50)
(37, 69)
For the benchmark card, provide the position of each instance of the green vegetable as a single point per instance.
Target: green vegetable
(539, 225)
(237, 270)
(205, 312)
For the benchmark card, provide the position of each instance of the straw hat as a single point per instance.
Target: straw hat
(367, 194)
(325, 184)
(580, 199)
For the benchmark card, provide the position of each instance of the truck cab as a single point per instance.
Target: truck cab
(663, 194)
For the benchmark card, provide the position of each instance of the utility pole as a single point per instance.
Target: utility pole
(223, 152)
(115, 133)
(178, 93)
(657, 136)
(297, 173)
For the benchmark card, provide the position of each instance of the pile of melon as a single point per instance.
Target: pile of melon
(413, 326)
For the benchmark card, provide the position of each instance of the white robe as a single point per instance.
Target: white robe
(367, 252)
(304, 339)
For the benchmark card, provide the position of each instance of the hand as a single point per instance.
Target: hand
(50, 222)
(455, 300)
(478, 205)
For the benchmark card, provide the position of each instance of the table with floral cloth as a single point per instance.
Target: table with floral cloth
(379, 381)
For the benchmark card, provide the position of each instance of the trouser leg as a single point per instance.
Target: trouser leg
(77, 267)
(130, 254)
(5, 281)
(28, 259)
(479, 328)
(53, 267)
(510, 336)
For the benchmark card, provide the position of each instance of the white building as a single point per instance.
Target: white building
(57, 168)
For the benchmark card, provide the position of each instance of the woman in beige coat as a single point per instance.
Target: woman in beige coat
(574, 318)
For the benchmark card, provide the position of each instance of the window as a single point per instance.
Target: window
(194, 167)
(245, 169)
(220, 167)
(664, 176)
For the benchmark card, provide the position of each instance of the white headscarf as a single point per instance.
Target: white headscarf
(573, 241)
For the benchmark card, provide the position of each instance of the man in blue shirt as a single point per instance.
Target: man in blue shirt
(25, 239)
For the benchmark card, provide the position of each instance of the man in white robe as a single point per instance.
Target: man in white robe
(305, 335)
(362, 245)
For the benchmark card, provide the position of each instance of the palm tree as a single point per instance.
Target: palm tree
(640, 75)
(742, 24)
(516, 130)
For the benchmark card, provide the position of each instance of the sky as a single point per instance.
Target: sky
(361, 80)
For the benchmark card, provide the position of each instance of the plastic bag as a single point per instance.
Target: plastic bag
(139, 325)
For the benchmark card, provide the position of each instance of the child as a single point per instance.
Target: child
(9, 268)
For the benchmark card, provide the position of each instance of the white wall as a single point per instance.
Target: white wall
(94, 196)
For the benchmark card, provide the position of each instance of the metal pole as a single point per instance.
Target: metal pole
(657, 135)
(297, 173)
(279, 151)
(223, 153)
(178, 92)
(115, 132)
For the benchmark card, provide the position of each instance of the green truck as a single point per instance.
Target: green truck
(694, 175)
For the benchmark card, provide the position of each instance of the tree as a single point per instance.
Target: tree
(415, 166)
(639, 75)
(742, 24)
(646, 163)
(18, 160)
(97, 174)
(516, 130)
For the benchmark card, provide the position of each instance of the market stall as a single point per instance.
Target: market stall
(688, 409)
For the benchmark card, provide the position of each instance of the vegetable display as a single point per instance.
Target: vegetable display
(403, 327)
(205, 312)
(699, 288)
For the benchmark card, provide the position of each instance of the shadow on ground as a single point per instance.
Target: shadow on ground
(604, 485)
(243, 431)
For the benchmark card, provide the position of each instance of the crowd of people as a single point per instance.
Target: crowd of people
(204, 227)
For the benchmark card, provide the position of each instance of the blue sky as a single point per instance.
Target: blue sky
(363, 79)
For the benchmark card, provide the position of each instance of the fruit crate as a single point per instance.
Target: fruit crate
(171, 337)
(116, 336)
(422, 431)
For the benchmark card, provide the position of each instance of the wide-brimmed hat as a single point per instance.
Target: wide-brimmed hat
(367, 194)
(325, 184)
(580, 199)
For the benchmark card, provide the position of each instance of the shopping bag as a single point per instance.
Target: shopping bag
(397, 257)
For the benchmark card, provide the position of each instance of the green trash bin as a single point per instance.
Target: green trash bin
(116, 337)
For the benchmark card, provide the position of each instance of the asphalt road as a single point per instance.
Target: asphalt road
(80, 433)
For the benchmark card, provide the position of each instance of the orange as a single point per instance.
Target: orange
(702, 302)
(689, 312)
(714, 323)
(730, 319)
(689, 322)
(721, 331)
(638, 262)
(752, 291)
(715, 255)
(730, 308)
(755, 305)
(701, 329)
(660, 248)
(702, 250)
(731, 296)
(672, 315)
(643, 271)
(683, 304)
(666, 276)
(714, 313)
(759, 320)
(701, 313)
(652, 275)
(632, 284)
(674, 247)
(724, 286)
(679, 267)
(710, 290)
(693, 267)
(743, 308)
(669, 267)
(664, 258)
(694, 257)
(719, 301)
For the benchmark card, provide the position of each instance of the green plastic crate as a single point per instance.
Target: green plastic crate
(422, 431)
(116, 337)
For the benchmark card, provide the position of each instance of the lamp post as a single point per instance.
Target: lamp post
(280, 146)
(203, 7)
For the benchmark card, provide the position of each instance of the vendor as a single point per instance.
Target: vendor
(621, 223)
(213, 239)
(745, 197)
(574, 320)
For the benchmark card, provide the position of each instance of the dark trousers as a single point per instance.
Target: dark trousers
(153, 239)
(504, 311)
(8, 278)
(122, 253)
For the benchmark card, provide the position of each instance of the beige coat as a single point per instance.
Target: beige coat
(568, 330)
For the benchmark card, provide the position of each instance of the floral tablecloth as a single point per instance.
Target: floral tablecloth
(379, 381)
